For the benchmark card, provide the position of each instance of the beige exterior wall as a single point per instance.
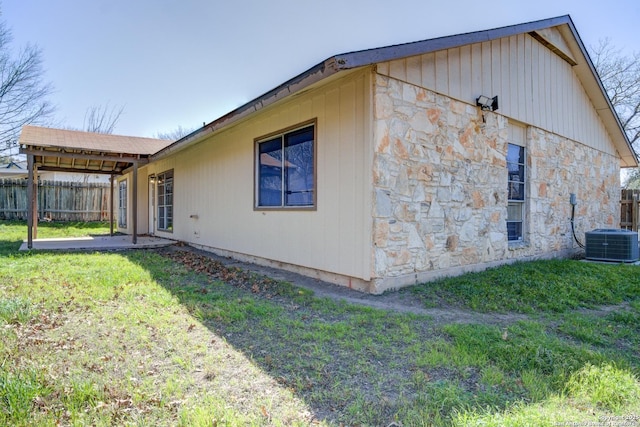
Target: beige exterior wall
(214, 188)
(440, 187)
(533, 84)
(143, 224)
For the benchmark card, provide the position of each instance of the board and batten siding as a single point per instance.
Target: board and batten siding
(534, 85)
(214, 185)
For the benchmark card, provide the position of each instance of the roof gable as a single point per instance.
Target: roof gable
(389, 53)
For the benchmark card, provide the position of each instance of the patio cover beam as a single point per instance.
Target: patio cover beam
(97, 156)
(116, 171)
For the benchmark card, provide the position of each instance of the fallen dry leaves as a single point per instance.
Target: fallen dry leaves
(264, 286)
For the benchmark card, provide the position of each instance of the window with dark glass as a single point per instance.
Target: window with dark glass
(516, 189)
(165, 201)
(122, 204)
(285, 170)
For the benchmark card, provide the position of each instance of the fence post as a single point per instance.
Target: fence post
(634, 212)
(41, 198)
(34, 209)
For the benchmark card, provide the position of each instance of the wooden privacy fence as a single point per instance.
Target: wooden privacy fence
(630, 209)
(57, 201)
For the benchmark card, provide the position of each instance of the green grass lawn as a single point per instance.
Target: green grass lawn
(164, 338)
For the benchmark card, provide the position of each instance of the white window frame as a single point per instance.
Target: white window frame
(165, 200)
(122, 203)
(517, 203)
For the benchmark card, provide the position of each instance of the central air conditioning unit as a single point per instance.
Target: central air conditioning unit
(612, 245)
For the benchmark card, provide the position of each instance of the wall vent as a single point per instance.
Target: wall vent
(612, 245)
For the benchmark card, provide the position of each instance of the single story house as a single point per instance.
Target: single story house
(13, 170)
(387, 167)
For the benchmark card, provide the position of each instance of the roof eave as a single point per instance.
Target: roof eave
(388, 53)
(296, 84)
(368, 57)
(603, 105)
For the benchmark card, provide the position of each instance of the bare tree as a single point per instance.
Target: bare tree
(633, 180)
(175, 134)
(23, 93)
(101, 119)
(620, 76)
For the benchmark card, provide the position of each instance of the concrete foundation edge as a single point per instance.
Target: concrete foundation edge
(381, 285)
(378, 286)
(335, 278)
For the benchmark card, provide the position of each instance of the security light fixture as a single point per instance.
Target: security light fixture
(486, 103)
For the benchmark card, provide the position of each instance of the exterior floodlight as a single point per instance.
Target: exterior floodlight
(486, 103)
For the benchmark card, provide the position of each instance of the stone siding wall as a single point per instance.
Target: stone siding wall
(440, 187)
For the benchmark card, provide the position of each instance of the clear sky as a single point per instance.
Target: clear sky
(173, 63)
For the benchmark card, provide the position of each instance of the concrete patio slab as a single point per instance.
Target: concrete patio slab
(97, 243)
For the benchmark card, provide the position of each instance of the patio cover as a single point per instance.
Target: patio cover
(87, 152)
(82, 152)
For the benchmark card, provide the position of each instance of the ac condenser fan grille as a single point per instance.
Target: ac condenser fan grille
(612, 245)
